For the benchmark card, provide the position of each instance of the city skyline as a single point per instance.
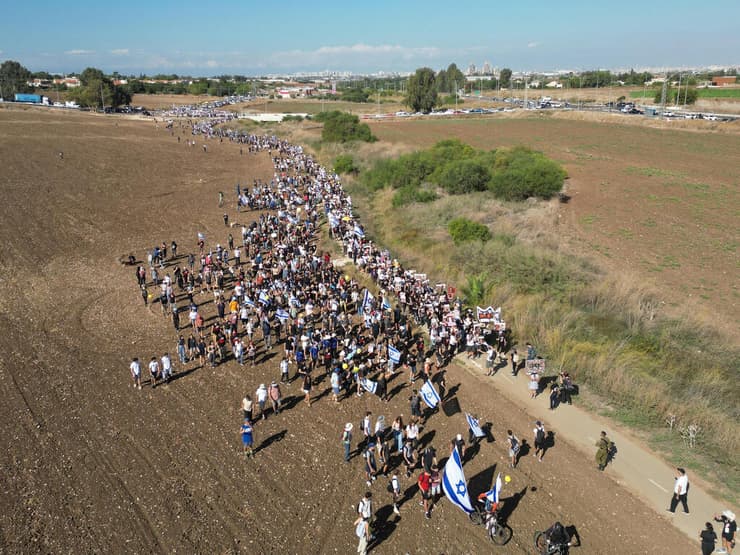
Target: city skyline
(251, 39)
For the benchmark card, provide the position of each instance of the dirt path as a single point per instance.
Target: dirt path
(635, 467)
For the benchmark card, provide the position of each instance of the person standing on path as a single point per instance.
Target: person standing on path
(680, 491)
(261, 394)
(708, 538)
(276, 397)
(347, 440)
(154, 370)
(247, 407)
(602, 453)
(539, 440)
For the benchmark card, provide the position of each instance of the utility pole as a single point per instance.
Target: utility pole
(663, 96)
(102, 99)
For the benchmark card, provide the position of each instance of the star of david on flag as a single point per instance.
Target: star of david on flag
(454, 484)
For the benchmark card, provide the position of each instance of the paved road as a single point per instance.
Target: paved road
(635, 466)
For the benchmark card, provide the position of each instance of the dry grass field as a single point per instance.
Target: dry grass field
(92, 465)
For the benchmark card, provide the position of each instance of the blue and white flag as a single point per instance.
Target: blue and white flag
(248, 301)
(394, 355)
(453, 482)
(386, 304)
(350, 355)
(291, 219)
(282, 314)
(366, 300)
(294, 302)
(429, 394)
(358, 231)
(264, 297)
(474, 426)
(494, 493)
(333, 220)
(369, 385)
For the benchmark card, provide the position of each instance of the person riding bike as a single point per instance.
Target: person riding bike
(557, 535)
(490, 506)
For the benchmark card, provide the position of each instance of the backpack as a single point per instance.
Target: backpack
(539, 437)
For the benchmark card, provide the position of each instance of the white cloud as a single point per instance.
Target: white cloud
(79, 52)
(119, 51)
(364, 54)
(212, 63)
(533, 44)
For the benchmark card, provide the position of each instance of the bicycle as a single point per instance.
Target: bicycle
(499, 532)
(543, 547)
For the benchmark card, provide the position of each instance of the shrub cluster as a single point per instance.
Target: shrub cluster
(511, 174)
(345, 163)
(463, 229)
(341, 127)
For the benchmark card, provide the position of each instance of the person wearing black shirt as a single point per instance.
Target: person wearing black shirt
(708, 539)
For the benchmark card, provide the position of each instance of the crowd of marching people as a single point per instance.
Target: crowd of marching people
(275, 293)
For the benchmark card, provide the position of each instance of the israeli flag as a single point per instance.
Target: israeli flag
(294, 302)
(333, 220)
(429, 394)
(358, 231)
(369, 385)
(282, 314)
(453, 482)
(394, 355)
(292, 220)
(264, 298)
(474, 426)
(386, 304)
(248, 301)
(366, 299)
(493, 494)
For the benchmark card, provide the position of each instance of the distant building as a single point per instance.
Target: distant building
(71, 82)
(722, 81)
(471, 69)
(487, 70)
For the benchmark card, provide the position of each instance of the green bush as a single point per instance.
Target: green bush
(292, 117)
(462, 230)
(464, 176)
(410, 194)
(344, 163)
(520, 173)
(355, 95)
(341, 127)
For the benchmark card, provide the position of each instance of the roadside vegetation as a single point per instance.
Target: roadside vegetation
(666, 376)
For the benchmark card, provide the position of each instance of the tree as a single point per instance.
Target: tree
(505, 77)
(687, 95)
(96, 90)
(13, 79)
(422, 92)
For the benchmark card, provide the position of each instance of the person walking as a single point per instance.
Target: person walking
(513, 448)
(247, 438)
(136, 372)
(154, 370)
(347, 440)
(261, 395)
(729, 527)
(539, 440)
(424, 481)
(395, 488)
(680, 491)
(362, 530)
(708, 539)
(276, 397)
(602, 453)
(247, 407)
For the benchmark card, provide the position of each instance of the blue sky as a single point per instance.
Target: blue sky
(200, 38)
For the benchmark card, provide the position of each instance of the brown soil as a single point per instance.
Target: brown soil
(92, 465)
(647, 199)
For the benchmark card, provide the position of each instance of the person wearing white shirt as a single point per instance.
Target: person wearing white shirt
(166, 367)
(680, 491)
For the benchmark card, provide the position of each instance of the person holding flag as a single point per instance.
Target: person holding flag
(475, 432)
(429, 395)
(492, 496)
(454, 484)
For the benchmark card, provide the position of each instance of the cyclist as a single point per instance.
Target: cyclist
(490, 506)
(557, 535)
